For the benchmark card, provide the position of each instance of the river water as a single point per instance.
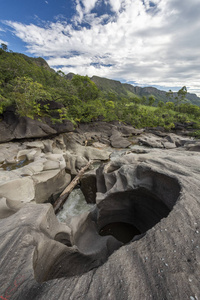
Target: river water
(75, 205)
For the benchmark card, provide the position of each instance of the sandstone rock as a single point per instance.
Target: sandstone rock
(48, 146)
(20, 189)
(49, 182)
(5, 211)
(35, 144)
(129, 130)
(109, 133)
(8, 151)
(195, 146)
(167, 140)
(89, 187)
(99, 145)
(117, 141)
(30, 154)
(51, 165)
(77, 156)
(156, 192)
(152, 141)
(28, 128)
(168, 145)
(14, 127)
(33, 175)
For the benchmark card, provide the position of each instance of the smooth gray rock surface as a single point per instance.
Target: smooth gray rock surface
(29, 173)
(115, 134)
(14, 127)
(166, 141)
(158, 192)
(77, 155)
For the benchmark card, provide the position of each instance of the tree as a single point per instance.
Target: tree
(136, 100)
(161, 104)
(169, 105)
(169, 94)
(144, 100)
(26, 95)
(86, 89)
(181, 95)
(4, 47)
(151, 100)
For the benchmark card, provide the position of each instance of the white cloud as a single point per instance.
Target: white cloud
(84, 7)
(115, 5)
(89, 5)
(3, 42)
(152, 45)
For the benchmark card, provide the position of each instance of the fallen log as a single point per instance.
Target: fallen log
(64, 195)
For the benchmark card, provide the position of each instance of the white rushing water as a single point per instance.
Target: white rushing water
(74, 206)
(76, 203)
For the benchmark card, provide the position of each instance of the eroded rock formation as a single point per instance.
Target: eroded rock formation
(157, 192)
(14, 127)
(35, 171)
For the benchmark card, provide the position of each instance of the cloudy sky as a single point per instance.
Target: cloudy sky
(146, 43)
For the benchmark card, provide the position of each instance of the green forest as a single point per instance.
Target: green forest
(30, 85)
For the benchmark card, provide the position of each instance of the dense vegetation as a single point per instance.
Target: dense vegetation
(128, 90)
(30, 85)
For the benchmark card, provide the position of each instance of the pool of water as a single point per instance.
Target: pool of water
(18, 164)
(74, 206)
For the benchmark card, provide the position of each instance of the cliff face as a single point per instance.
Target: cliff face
(109, 85)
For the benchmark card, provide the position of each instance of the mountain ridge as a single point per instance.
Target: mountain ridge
(125, 89)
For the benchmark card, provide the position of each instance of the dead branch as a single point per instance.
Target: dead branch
(63, 197)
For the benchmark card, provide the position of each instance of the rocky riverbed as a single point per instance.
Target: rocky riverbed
(139, 240)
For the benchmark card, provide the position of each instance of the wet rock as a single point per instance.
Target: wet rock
(89, 187)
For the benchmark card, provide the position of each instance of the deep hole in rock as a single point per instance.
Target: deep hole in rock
(123, 232)
(140, 209)
(122, 215)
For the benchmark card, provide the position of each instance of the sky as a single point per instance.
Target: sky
(145, 43)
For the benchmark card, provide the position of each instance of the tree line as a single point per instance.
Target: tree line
(31, 87)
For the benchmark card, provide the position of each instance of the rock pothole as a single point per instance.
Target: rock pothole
(135, 201)
(128, 214)
(123, 232)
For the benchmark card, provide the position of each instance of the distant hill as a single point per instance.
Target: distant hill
(30, 88)
(113, 86)
(124, 90)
